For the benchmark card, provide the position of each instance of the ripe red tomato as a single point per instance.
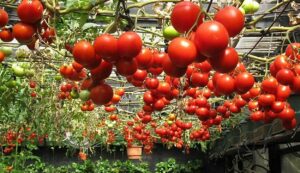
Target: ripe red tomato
(206, 44)
(23, 32)
(184, 15)
(6, 35)
(287, 114)
(269, 85)
(252, 105)
(285, 76)
(126, 67)
(164, 88)
(273, 69)
(140, 75)
(257, 116)
(101, 94)
(2, 56)
(30, 11)
(151, 83)
(159, 105)
(254, 92)
(101, 72)
(155, 71)
(244, 82)
(202, 113)
(199, 79)
(283, 92)
(232, 18)
(292, 51)
(172, 70)
(277, 106)
(266, 100)
(291, 124)
(120, 91)
(78, 67)
(182, 52)
(204, 66)
(144, 59)
(281, 62)
(84, 54)
(240, 102)
(106, 46)
(226, 61)
(296, 85)
(3, 18)
(129, 45)
(49, 35)
(158, 59)
(148, 98)
(225, 84)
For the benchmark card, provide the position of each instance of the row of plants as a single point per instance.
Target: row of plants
(28, 163)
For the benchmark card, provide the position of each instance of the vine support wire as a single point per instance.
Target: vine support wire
(264, 32)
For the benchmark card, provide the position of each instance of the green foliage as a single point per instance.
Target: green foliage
(170, 166)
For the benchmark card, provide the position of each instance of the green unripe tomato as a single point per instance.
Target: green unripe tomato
(242, 10)
(58, 77)
(170, 33)
(74, 94)
(18, 71)
(6, 50)
(3, 88)
(11, 84)
(250, 6)
(29, 72)
(84, 95)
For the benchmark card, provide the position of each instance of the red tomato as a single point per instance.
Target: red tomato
(277, 106)
(101, 94)
(226, 61)
(155, 71)
(254, 92)
(182, 52)
(273, 69)
(266, 100)
(225, 84)
(297, 69)
(30, 11)
(283, 92)
(244, 82)
(172, 70)
(106, 46)
(151, 83)
(159, 105)
(144, 59)
(148, 98)
(126, 67)
(202, 113)
(101, 72)
(269, 85)
(78, 67)
(204, 66)
(291, 124)
(164, 88)
(49, 35)
(184, 15)
(129, 45)
(3, 18)
(6, 35)
(140, 75)
(281, 62)
(296, 85)
(287, 114)
(285, 76)
(257, 116)
(292, 51)
(120, 91)
(206, 44)
(232, 18)
(2, 56)
(23, 32)
(240, 102)
(84, 54)
(199, 79)
(158, 59)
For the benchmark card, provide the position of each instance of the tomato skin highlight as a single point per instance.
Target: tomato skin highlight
(206, 44)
